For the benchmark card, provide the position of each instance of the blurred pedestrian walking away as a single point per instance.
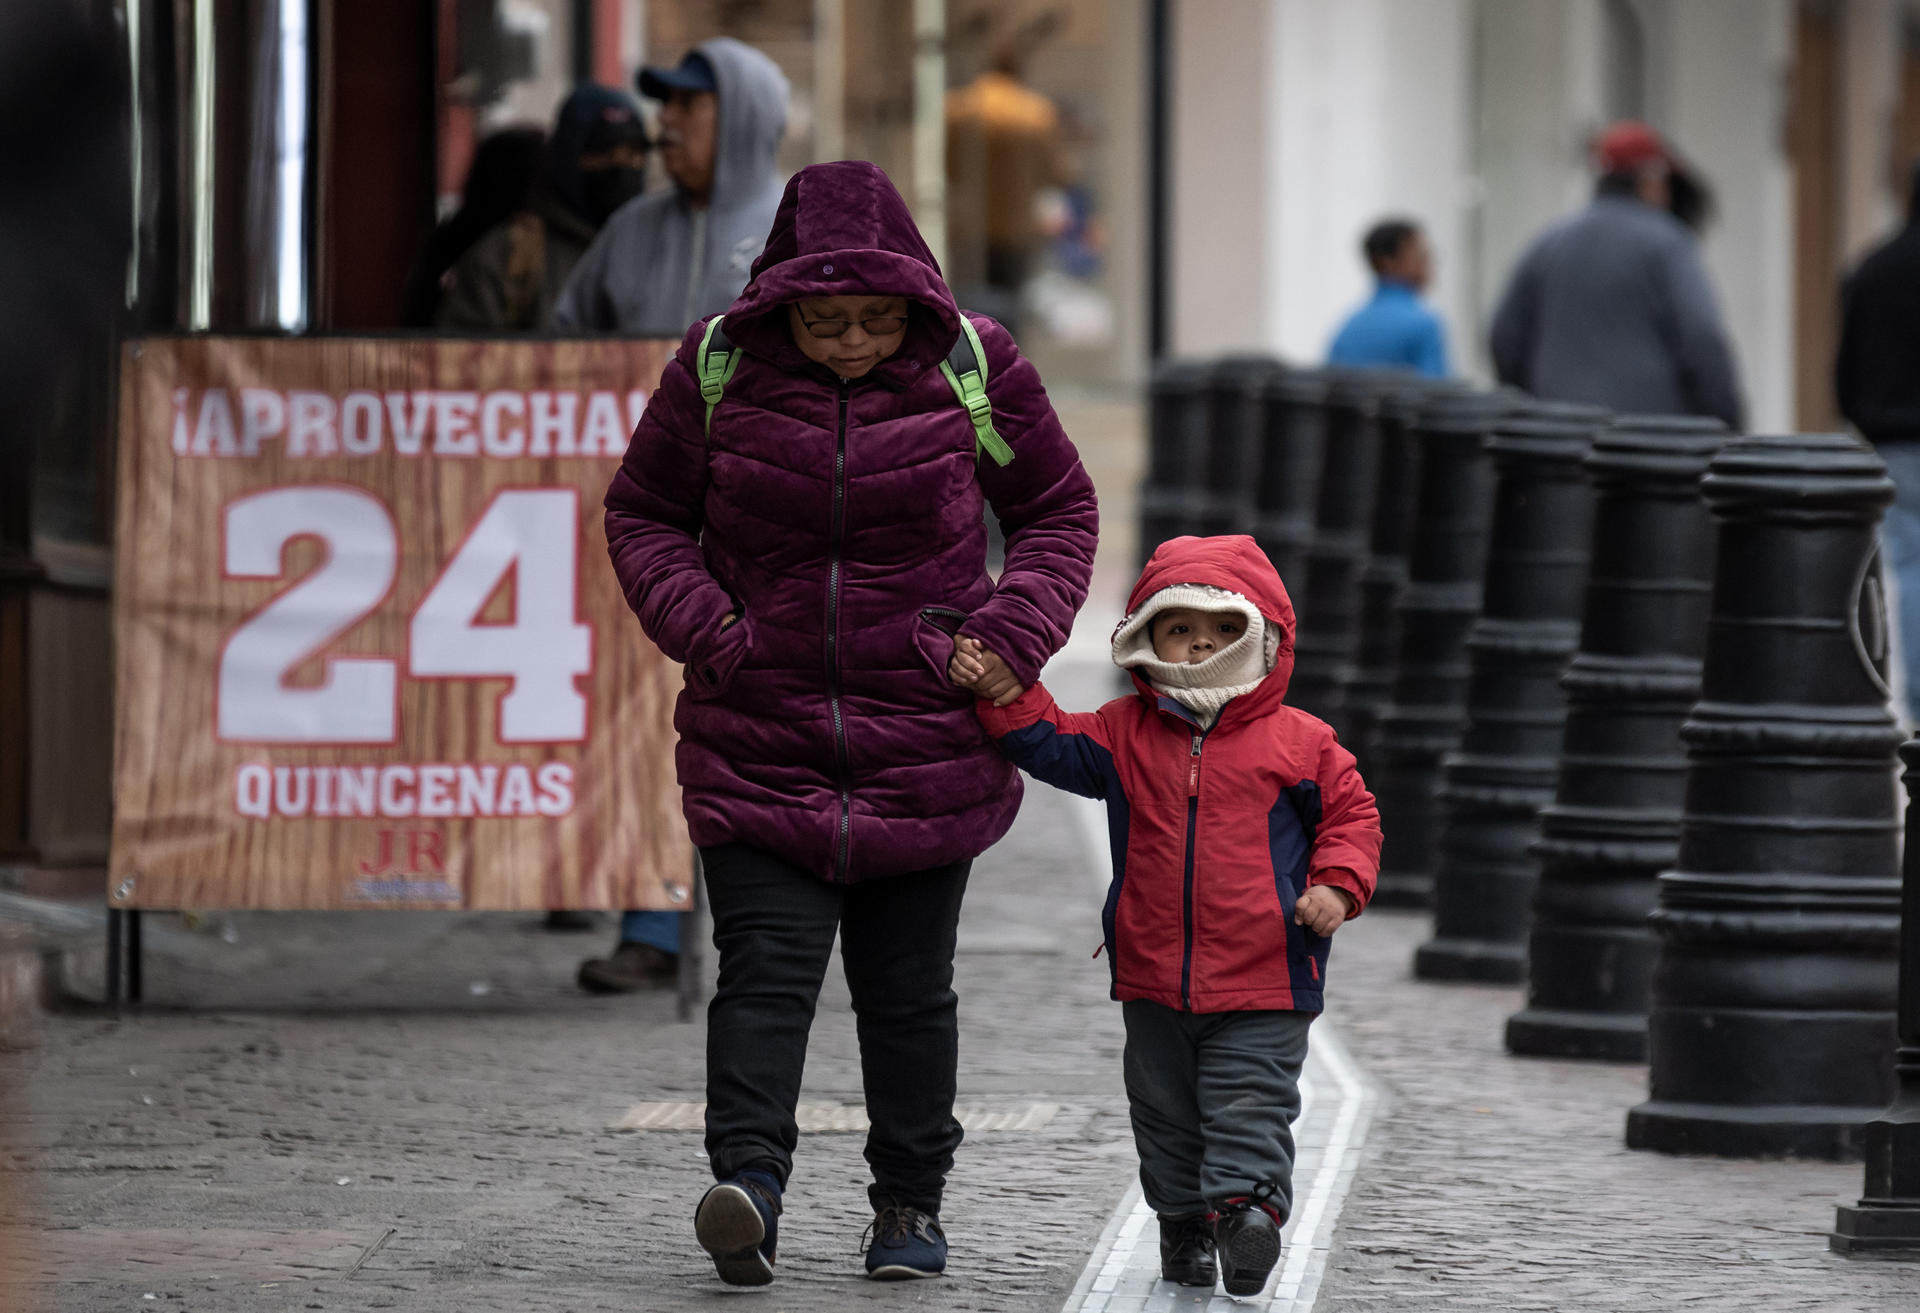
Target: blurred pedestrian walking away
(799, 521)
(675, 255)
(500, 182)
(1004, 150)
(1612, 306)
(1877, 383)
(1395, 328)
(594, 163)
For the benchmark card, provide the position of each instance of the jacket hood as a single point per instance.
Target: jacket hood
(843, 229)
(752, 111)
(1234, 564)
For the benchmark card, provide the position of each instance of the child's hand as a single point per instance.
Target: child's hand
(972, 666)
(964, 667)
(1323, 909)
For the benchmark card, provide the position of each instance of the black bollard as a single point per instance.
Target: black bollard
(1493, 787)
(1328, 603)
(1293, 431)
(1771, 1026)
(1383, 578)
(1446, 556)
(1174, 499)
(1887, 1218)
(1235, 415)
(1615, 821)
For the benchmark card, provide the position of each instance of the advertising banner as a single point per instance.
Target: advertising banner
(370, 651)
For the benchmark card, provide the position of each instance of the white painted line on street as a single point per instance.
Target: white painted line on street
(1318, 1208)
(1336, 1104)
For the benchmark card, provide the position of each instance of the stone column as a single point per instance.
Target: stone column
(1446, 556)
(1328, 603)
(1234, 416)
(1493, 788)
(1886, 1221)
(1172, 501)
(1293, 432)
(1369, 680)
(1771, 1027)
(1615, 820)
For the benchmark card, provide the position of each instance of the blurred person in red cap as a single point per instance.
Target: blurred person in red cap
(1877, 384)
(1612, 306)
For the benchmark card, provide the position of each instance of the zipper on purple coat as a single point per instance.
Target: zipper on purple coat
(840, 754)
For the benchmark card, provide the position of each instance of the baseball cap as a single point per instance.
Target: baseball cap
(693, 73)
(614, 124)
(1627, 145)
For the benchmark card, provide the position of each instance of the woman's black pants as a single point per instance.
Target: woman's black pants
(773, 926)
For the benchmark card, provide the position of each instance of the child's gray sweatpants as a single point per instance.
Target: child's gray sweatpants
(1213, 1097)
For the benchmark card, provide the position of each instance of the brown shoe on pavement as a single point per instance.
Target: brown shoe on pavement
(632, 968)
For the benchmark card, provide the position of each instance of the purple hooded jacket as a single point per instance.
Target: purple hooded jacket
(843, 523)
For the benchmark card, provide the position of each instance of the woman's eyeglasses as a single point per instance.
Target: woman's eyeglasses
(877, 326)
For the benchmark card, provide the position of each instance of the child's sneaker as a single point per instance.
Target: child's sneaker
(1247, 1239)
(738, 1223)
(903, 1243)
(1186, 1249)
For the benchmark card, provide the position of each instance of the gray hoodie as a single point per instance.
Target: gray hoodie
(1613, 308)
(660, 263)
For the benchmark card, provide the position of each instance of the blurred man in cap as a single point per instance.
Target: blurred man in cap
(666, 260)
(1612, 306)
(675, 256)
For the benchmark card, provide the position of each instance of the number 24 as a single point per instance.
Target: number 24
(543, 650)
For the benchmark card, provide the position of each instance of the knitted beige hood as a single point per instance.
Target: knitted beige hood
(1203, 687)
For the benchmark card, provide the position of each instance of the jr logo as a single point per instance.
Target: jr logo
(423, 850)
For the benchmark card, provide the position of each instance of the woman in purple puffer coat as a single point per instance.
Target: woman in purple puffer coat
(811, 551)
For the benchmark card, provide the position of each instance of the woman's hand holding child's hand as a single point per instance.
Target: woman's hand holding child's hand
(1323, 909)
(972, 666)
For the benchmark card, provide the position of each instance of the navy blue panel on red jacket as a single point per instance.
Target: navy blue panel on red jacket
(1215, 832)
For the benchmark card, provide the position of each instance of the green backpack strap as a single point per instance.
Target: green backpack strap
(717, 360)
(965, 368)
(966, 371)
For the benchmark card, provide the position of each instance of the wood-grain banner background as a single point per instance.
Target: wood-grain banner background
(370, 651)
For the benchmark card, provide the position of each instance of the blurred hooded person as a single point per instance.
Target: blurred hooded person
(678, 254)
(499, 185)
(594, 164)
(1612, 307)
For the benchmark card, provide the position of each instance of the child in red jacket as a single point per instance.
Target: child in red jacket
(1242, 838)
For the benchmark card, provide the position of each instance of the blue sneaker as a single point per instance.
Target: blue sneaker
(904, 1243)
(738, 1222)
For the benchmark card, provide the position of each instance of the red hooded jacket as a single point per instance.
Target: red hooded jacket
(1215, 832)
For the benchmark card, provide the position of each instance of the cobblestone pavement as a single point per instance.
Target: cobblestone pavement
(335, 1098)
(1493, 1182)
(414, 1112)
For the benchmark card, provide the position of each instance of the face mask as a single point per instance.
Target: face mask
(608, 189)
